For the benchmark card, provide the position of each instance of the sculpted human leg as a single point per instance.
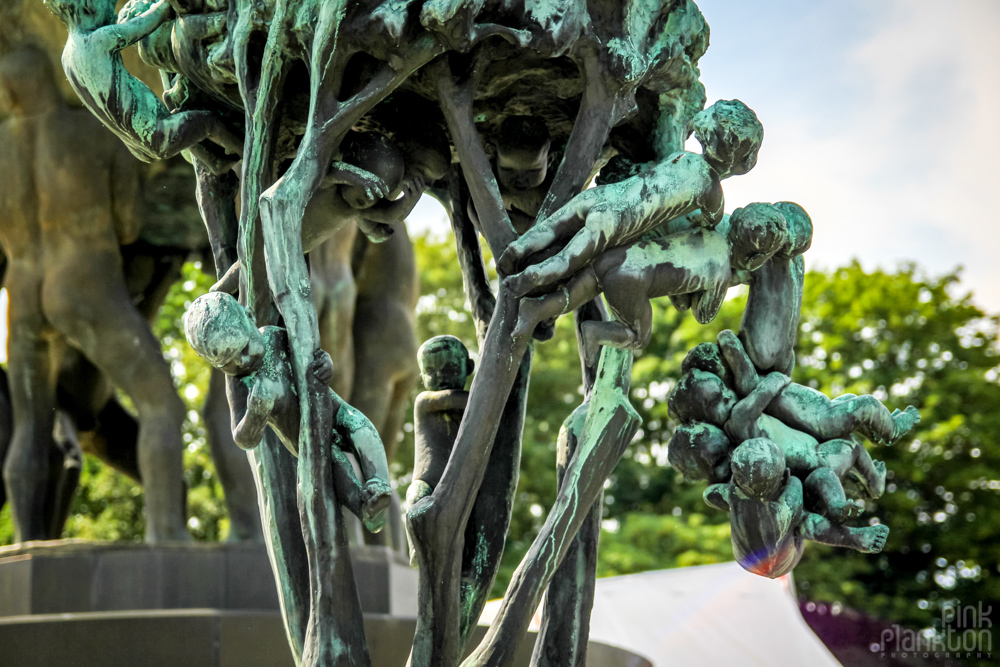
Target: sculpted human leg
(627, 294)
(33, 373)
(867, 539)
(824, 491)
(579, 291)
(231, 464)
(565, 263)
(334, 292)
(608, 428)
(6, 429)
(102, 322)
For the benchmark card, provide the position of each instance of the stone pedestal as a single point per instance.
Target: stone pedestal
(75, 603)
(70, 576)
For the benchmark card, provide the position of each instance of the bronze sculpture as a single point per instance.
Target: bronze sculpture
(769, 521)
(52, 247)
(384, 333)
(220, 331)
(128, 108)
(695, 268)
(612, 88)
(444, 368)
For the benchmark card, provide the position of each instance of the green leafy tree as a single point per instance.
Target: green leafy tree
(913, 340)
(905, 337)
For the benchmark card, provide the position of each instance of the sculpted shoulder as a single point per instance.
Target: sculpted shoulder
(684, 166)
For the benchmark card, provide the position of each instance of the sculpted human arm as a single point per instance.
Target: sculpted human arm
(259, 406)
(390, 212)
(447, 400)
(133, 29)
(674, 187)
(322, 366)
(475, 280)
(202, 26)
(745, 376)
(792, 498)
(742, 422)
(717, 496)
(550, 232)
(705, 305)
(342, 173)
(229, 283)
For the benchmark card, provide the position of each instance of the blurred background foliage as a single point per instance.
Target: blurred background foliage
(908, 338)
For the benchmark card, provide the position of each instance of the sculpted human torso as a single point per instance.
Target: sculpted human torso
(771, 320)
(98, 75)
(272, 382)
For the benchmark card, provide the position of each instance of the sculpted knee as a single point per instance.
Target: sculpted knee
(866, 402)
(25, 462)
(166, 407)
(642, 337)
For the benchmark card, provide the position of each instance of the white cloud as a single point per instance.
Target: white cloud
(904, 166)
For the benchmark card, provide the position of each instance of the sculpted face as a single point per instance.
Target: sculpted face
(522, 153)
(221, 332)
(430, 164)
(713, 396)
(702, 397)
(247, 359)
(700, 452)
(375, 153)
(522, 169)
(357, 198)
(444, 363)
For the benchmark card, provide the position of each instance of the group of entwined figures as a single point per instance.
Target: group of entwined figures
(780, 457)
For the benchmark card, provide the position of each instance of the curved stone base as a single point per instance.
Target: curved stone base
(76, 603)
(85, 576)
(210, 638)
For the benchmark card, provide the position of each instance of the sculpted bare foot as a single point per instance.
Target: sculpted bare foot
(871, 539)
(420, 522)
(876, 489)
(591, 349)
(545, 330)
(872, 485)
(377, 500)
(903, 422)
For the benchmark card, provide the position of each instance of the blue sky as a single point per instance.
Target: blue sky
(882, 119)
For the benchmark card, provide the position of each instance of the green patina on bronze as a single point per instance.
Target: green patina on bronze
(536, 101)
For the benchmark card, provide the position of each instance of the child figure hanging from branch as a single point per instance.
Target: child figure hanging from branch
(617, 214)
(695, 268)
(93, 63)
(220, 330)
